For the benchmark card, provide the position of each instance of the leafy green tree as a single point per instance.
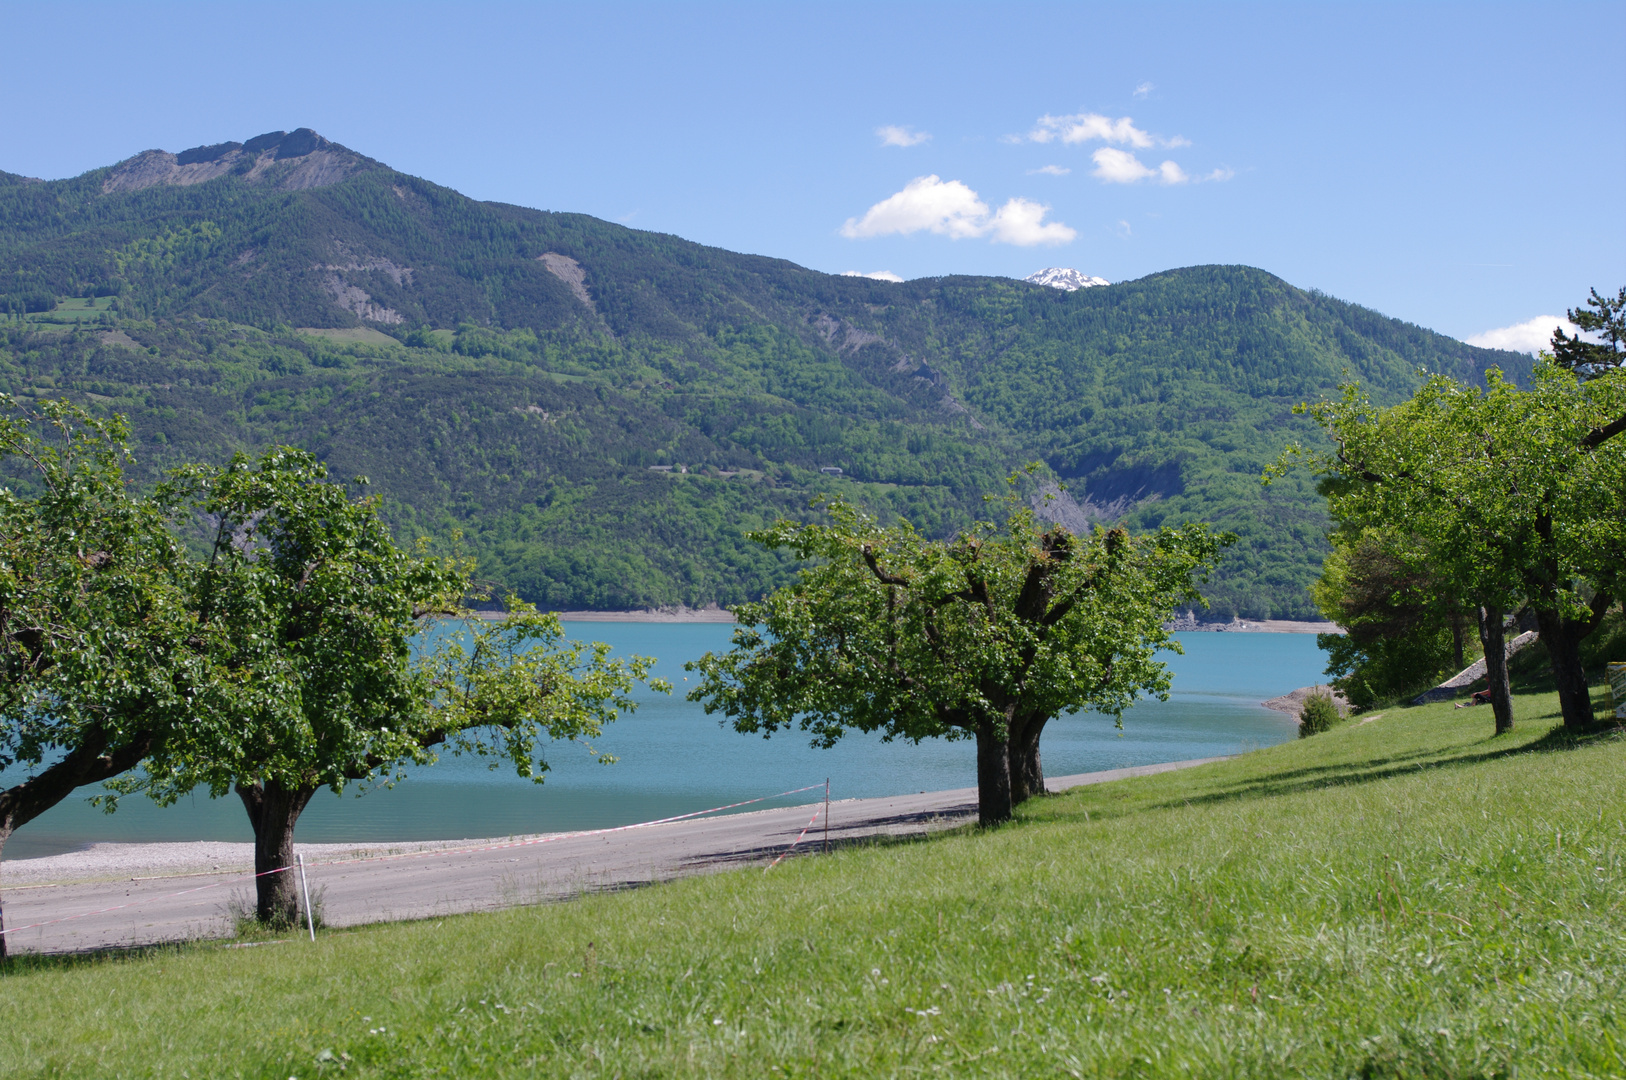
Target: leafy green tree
(100, 655)
(315, 611)
(1511, 496)
(987, 636)
(1607, 319)
(1403, 627)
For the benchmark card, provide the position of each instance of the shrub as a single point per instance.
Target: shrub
(1319, 714)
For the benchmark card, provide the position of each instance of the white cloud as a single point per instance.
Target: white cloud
(1119, 166)
(893, 135)
(1144, 89)
(1087, 127)
(926, 202)
(878, 275)
(1021, 222)
(1122, 167)
(1177, 142)
(1051, 170)
(950, 208)
(1527, 337)
(1220, 173)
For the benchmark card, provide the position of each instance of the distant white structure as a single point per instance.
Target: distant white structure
(831, 470)
(1065, 278)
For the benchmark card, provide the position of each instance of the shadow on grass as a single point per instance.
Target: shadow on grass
(28, 963)
(865, 833)
(1557, 740)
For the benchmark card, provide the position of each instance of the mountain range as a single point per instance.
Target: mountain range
(603, 412)
(1065, 278)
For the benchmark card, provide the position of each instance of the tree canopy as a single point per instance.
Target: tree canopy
(988, 635)
(101, 656)
(1403, 627)
(1507, 497)
(316, 616)
(1605, 319)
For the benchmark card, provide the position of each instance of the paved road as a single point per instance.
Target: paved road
(498, 875)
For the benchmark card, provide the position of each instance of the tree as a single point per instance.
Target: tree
(1403, 626)
(1319, 714)
(1512, 496)
(987, 636)
(315, 611)
(100, 657)
(1607, 319)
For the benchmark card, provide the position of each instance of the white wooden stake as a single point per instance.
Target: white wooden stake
(310, 917)
(827, 815)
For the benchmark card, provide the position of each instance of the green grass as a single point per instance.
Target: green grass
(1405, 897)
(74, 309)
(352, 335)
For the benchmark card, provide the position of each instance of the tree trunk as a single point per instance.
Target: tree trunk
(88, 763)
(1492, 638)
(1563, 640)
(1027, 772)
(273, 810)
(993, 776)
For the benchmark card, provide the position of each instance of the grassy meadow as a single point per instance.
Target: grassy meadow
(73, 310)
(1403, 897)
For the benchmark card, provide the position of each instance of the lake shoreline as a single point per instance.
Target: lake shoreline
(712, 613)
(106, 863)
(1258, 626)
(674, 759)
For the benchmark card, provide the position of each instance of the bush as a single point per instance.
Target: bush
(1319, 714)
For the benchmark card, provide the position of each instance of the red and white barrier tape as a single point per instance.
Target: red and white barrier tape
(430, 854)
(794, 842)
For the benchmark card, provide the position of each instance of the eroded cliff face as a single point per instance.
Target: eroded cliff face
(286, 161)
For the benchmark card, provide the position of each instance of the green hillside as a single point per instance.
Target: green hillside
(526, 377)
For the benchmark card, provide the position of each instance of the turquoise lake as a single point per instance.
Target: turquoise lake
(673, 758)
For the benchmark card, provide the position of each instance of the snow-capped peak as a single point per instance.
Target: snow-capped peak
(1062, 277)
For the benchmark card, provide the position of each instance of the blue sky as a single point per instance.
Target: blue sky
(1459, 166)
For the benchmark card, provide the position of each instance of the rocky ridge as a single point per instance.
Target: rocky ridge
(286, 160)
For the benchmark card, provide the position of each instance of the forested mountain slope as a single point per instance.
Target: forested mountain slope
(523, 376)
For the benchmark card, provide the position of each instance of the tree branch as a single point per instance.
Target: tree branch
(1600, 605)
(875, 568)
(1598, 436)
(88, 763)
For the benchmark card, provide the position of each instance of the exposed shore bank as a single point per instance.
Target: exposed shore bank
(137, 894)
(1293, 703)
(712, 613)
(1189, 624)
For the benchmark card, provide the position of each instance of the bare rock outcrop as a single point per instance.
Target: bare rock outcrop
(570, 272)
(359, 302)
(287, 161)
(1052, 503)
(1293, 702)
(350, 295)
